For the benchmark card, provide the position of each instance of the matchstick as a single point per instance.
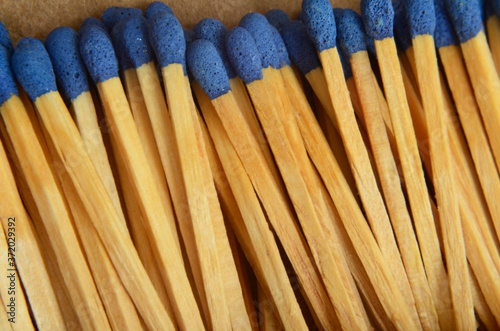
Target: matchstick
(322, 30)
(480, 306)
(468, 110)
(94, 44)
(466, 18)
(48, 198)
(421, 21)
(408, 152)
(111, 16)
(351, 37)
(170, 49)
(492, 8)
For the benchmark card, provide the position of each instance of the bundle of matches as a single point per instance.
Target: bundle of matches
(338, 171)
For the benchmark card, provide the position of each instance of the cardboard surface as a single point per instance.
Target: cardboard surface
(36, 18)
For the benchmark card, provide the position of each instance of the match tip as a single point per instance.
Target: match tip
(259, 28)
(444, 35)
(133, 32)
(93, 21)
(112, 15)
(351, 32)
(63, 49)
(207, 68)
(98, 53)
(215, 31)
(300, 47)
(8, 86)
(155, 7)
(167, 38)
(277, 18)
(466, 18)
(420, 16)
(33, 69)
(283, 57)
(5, 40)
(318, 17)
(378, 17)
(244, 55)
(401, 28)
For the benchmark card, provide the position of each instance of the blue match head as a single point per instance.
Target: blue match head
(93, 21)
(244, 54)
(320, 22)
(336, 13)
(189, 36)
(300, 16)
(98, 53)
(259, 28)
(300, 47)
(167, 38)
(207, 68)
(33, 69)
(351, 32)
(420, 16)
(214, 31)
(112, 15)
(346, 65)
(63, 47)
(277, 18)
(155, 7)
(444, 35)
(466, 18)
(378, 17)
(401, 28)
(284, 58)
(5, 40)
(8, 86)
(119, 45)
(135, 35)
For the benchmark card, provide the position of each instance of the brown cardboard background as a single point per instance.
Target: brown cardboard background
(36, 18)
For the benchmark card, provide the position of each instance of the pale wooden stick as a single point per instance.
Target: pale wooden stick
(493, 29)
(391, 185)
(52, 208)
(486, 84)
(473, 127)
(480, 305)
(119, 307)
(197, 190)
(29, 261)
(276, 206)
(414, 178)
(267, 318)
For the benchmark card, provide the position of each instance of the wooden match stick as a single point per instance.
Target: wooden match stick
(51, 204)
(480, 306)
(467, 20)
(408, 153)
(197, 190)
(492, 8)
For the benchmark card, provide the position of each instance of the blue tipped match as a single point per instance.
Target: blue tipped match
(5, 40)
(189, 36)
(112, 15)
(336, 13)
(320, 22)
(370, 45)
(167, 38)
(351, 32)
(444, 35)
(300, 47)
(33, 69)
(244, 55)
(277, 18)
(8, 86)
(378, 16)
(93, 21)
(466, 18)
(98, 54)
(155, 7)
(346, 66)
(420, 16)
(401, 28)
(300, 17)
(283, 57)
(119, 45)
(214, 31)
(134, 33)
(207, 68)
(259, 28)
(63, 47)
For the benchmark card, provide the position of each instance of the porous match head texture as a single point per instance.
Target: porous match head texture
(466, 18)
(244, 54)
(112, 15)
(319, 20)
(300, 47)
(378, 17)
(259, 28)
(351, 32)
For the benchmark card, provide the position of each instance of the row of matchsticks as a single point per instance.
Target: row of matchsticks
(207, 181)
